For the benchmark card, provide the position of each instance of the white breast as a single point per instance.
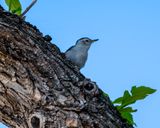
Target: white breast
(77, 57)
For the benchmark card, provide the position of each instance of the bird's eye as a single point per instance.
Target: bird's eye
(87, 40)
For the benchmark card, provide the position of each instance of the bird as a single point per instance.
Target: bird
(78, 53)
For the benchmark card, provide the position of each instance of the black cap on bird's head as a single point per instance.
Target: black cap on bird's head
(78, 53)
(86, 41)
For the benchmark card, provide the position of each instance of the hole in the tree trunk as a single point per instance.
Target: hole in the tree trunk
(35, 122)
(88, 87)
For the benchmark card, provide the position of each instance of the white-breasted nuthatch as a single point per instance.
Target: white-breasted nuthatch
(78, 53)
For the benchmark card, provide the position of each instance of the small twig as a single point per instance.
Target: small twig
(28, 8)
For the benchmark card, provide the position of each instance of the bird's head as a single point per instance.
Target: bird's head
(85, 41)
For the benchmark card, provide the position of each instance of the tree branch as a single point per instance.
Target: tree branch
(40, 89)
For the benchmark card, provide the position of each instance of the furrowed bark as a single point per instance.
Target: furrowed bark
(40, 89)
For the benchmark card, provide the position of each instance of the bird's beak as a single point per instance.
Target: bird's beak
(95, 40)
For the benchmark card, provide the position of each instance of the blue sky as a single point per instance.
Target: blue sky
(127, 52)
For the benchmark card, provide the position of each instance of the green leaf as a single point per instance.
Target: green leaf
(127, 109)
(127, 99)
(14, 6)
(128, 116)
(139, 93)
(118, 100)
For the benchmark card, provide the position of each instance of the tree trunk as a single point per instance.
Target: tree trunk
(40, 89)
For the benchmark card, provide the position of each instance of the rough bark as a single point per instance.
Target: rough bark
(40, 89)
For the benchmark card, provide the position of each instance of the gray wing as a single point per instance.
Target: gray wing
(69, 49)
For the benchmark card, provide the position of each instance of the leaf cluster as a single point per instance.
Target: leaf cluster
(128, 98)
